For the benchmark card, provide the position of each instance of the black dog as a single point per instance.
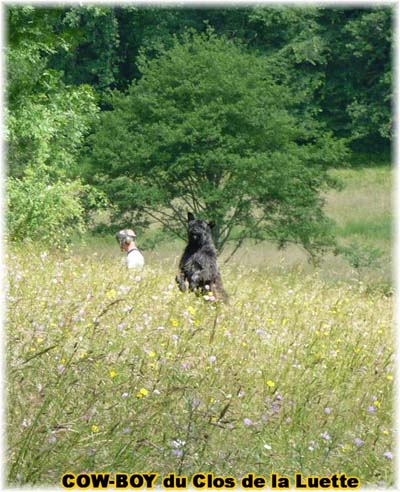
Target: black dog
(198, 265)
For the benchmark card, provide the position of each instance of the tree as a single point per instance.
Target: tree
(46, 125)
(46, 119)
(357, 95)
(208, 129)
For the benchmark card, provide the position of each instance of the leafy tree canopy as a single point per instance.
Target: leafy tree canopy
(47, 122)
(211, 127)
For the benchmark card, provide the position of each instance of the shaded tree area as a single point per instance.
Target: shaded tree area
(268, 99)
(342, 56)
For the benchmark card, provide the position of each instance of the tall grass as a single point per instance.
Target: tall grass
(111, 371)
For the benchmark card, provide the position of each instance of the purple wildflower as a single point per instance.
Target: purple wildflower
(326, 436)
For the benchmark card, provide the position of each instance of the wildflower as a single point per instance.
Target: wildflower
(388, 455)
(126, 430)
(151, 354)
(185, 365)
(326, 436)
(60, 368)
(327, 410)
(111, 294)
(52, 439)
(377, 403)
(247, 421)
(196, 403)
(268, 447)
(142, 392)
(95, 428)
(177, 452)
(125, 395)
(270, 383)
(178, 443)
(174, 323)
(212, 359)
(113, 373)
(358, 442)
(191, 310)
(389, 377)
(371, 409)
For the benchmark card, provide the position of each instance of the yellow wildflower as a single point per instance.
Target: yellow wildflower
(151, 354)
(270, 384)
(174, 323)
(191, 310)
(95, 428)
(113, 373)
(111, 294)
(389, 377)
(142, 392)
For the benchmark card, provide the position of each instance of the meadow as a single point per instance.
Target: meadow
(109, 370)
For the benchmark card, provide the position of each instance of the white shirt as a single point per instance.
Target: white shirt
(134, 259)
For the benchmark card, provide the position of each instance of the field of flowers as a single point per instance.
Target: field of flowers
(112, 371)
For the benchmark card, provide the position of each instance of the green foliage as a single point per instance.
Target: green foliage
(361, 256)
(94, 59)
(46, 210)
(208, 128)
(46, 120)
(340, 57)
(357, 97)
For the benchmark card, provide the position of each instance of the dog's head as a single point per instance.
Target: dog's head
(199, 231)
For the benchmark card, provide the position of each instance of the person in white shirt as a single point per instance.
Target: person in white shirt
(126, 239)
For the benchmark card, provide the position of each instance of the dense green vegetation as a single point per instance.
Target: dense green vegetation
(237, 113)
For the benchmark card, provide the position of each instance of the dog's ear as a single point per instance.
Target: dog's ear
(190, 216)
(211, 224)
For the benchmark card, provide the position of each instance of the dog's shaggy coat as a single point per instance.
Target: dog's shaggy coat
(198, 265)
